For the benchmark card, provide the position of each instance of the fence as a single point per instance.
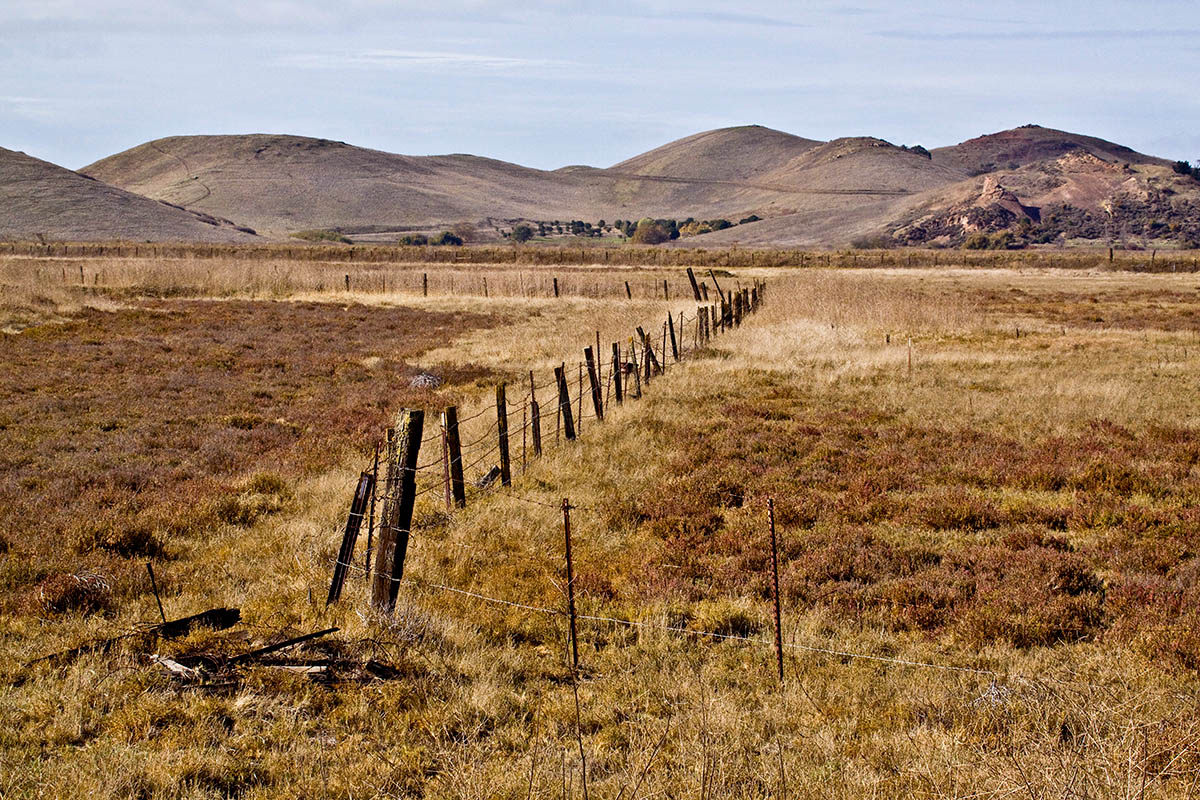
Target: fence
(627, 255)
(487, 457)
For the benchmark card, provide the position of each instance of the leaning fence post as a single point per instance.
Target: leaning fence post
(358, 510)
(617, 372)
(458, 492)
(502, 435)
(556, 287)
(712, 275)
(674, 344)
(695, 287)
(628, 291)
(594, 381)
(564, 403)
(374, 492)
(397, 508)
(637, 372)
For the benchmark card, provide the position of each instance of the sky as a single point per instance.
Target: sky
(559, 82)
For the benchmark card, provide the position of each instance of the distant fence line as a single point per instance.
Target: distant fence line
(625, 255)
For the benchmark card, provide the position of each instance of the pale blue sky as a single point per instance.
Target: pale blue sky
(554, 83)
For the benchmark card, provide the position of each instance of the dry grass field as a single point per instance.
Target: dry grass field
(986, 486)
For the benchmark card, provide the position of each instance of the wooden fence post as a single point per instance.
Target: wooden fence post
(695, 287)
(628, 291)
(502, 435)
(535, 416)
(593, 379)
(397, 509)
(358, 510)
(564, 402)
(374, 492)
(674, 344)
(712, 275)
(446, 465)
(666, 291)
(637, 372)
(617, 372)
(458, 492)
(704, 290)
(425, 284)
(556, 287)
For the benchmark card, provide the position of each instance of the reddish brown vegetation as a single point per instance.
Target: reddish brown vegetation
(124, 430)
(1028, 542)
(1131, 309)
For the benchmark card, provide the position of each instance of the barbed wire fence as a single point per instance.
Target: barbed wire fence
(634, 367)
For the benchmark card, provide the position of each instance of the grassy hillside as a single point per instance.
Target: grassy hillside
(43, 202)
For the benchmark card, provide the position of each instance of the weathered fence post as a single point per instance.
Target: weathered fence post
(695, 287)
(712, 275)
(637, 372)
(425, 284)
(674, 344)
(564, 402)
(556, 287)
(374, 492)
(397, 508)
(617, 372)
(502, 435)
(535, 415)
(358, 510)
(628, 291)
(593, 379)
(704, 290)
(666, 291)
(458, 491)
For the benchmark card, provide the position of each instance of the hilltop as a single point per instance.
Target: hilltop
(42, 200)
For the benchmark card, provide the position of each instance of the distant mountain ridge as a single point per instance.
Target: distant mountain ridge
(806, 192)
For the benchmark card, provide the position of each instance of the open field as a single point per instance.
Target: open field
(986, 487)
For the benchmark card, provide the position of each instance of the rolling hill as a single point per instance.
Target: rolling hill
(39, 200)
(1054, 185)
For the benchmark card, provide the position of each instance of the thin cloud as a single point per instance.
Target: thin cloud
(403, 59)
(1052, 35)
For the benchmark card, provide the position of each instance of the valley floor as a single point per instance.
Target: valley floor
(986, 486)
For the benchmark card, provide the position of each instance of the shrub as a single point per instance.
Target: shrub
(521, 233)
(446, 238)
(749, 219)
(414, 239)
(63, 593)
(650, 232)
(124, 537)
(725, 617)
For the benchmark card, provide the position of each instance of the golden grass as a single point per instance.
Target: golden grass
(972, 435)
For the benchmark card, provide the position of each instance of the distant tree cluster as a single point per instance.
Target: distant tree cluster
(443, 239)
(1186, 168)
(916, 148)
(653, 231)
